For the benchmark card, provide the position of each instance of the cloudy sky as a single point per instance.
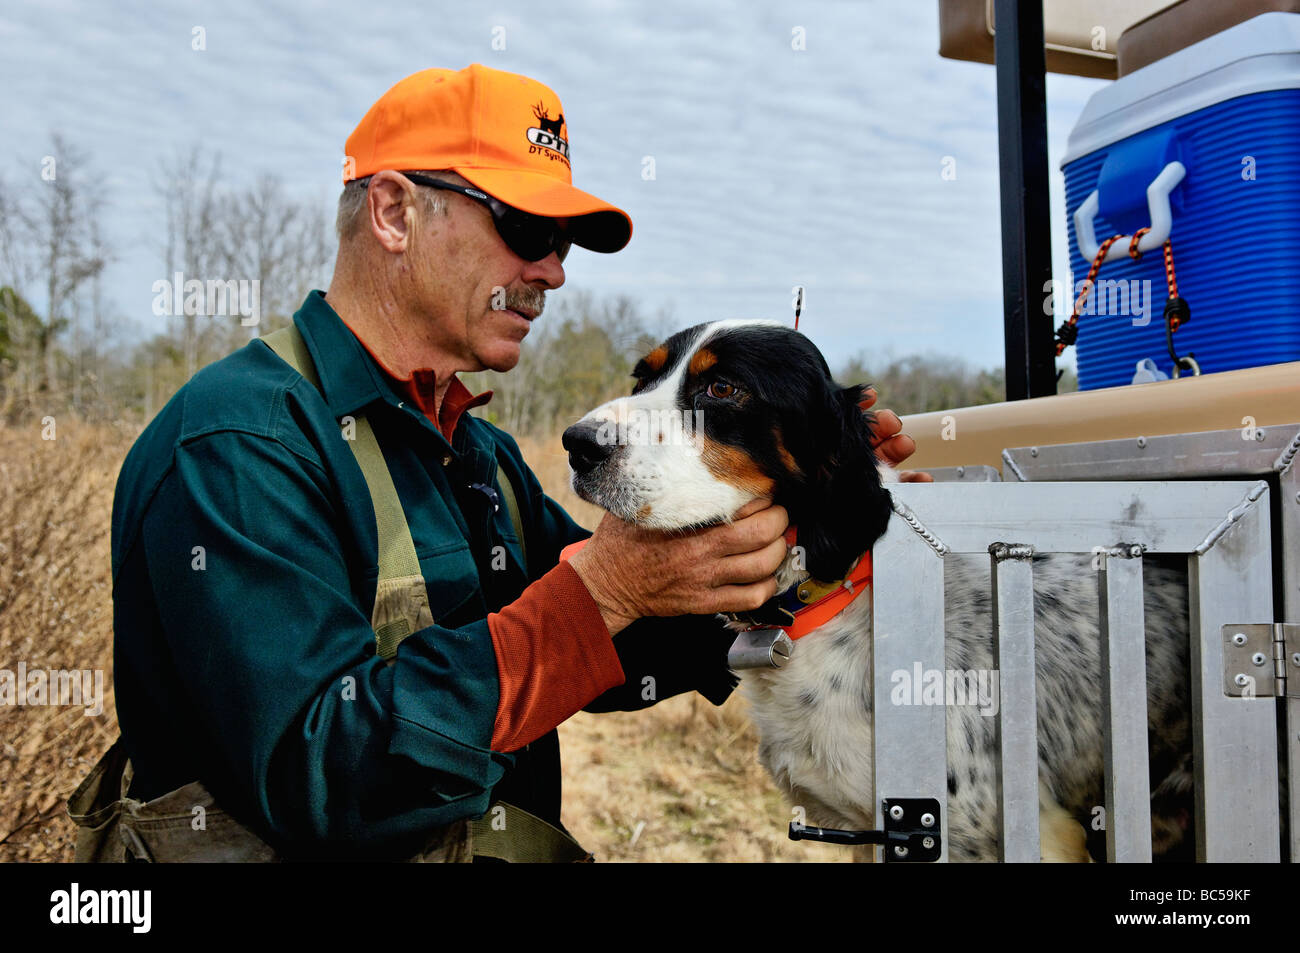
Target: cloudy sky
(774, 167)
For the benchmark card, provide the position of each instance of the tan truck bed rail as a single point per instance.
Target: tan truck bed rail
(970, 436)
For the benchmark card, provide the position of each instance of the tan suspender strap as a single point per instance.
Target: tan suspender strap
(288, 343)
(511, 834)
(399, 567)
(401, 600)
(396, 549)
(512, 505)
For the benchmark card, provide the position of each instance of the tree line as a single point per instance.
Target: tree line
(64, 347)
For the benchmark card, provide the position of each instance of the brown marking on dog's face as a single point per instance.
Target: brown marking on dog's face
(643, 513)
(702, 361)
(656, 358)
(732, 465)
(787, 458)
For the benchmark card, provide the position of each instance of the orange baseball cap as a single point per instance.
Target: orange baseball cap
(504, 133)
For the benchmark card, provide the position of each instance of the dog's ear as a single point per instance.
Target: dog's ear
(843, 508)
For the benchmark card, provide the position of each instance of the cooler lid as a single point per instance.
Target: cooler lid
(1260, 54)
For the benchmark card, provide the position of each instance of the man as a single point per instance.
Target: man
(247, 567)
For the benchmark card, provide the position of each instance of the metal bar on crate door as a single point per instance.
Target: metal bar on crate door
(1230, 579)
(1124, 705)
(1013, 652)
(911, 750)
(1288, 467)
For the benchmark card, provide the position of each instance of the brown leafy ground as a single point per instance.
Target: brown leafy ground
(679, 782)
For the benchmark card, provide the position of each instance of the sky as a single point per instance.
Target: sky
(773, 166)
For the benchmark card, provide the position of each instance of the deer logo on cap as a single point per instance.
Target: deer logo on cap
(547, 134)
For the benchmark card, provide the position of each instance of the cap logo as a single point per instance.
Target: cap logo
(548, 138)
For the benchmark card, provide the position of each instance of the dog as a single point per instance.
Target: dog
(729, 411)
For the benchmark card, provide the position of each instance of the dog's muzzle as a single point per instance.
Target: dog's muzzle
(586, 450)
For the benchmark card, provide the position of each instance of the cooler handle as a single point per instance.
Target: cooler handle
(1162, 217)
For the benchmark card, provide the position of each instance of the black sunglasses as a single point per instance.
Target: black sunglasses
(531, 237)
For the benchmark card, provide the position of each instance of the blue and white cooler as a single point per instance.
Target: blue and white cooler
(1201, 148)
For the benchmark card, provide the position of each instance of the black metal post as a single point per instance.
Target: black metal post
(1026, 219)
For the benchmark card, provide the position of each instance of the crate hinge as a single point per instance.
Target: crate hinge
(1261, 660)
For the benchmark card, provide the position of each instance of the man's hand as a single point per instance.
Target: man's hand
(886, 440)
(632, 572)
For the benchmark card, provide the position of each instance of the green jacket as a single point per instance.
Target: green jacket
(244, 570)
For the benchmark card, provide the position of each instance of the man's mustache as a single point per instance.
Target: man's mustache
(529, 300)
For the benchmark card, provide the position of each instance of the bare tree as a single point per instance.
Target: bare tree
(61, 223)
(258, 234)
(188, 187)
(45, 232)
(8, 300)
(18, 322)
(284, 244)
(11, 227)
(87, 351)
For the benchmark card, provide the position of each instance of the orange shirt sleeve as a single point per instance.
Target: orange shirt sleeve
(554, 657)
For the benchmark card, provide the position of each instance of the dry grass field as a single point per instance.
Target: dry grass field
(679, 782)
(55, 613)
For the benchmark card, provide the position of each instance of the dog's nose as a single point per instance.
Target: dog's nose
(586, 448)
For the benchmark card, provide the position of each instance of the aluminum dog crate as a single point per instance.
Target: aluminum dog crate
(1225, 530)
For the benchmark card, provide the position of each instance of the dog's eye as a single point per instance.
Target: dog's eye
(722, 390)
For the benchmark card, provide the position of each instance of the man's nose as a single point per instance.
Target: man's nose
(586, 448)
(548, 272)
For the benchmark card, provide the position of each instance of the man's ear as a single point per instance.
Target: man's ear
(390, 208)
(844, 508)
